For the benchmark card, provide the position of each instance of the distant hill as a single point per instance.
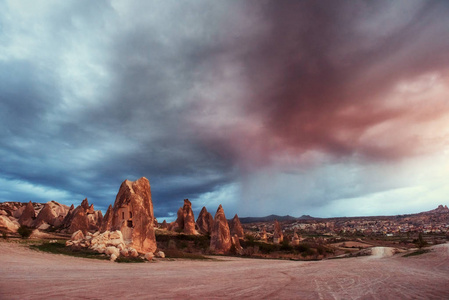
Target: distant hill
(439, 210)
(271, 218)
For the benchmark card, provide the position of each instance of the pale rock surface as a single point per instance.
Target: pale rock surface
(77, 235)
(149, 256)
(7, 224)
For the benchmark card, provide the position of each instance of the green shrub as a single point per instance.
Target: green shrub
(25, 231)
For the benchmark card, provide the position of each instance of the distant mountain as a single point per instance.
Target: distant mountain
(271, 218)
(439, 210)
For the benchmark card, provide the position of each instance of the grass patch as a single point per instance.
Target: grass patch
(129, 259)
(173, 253)
(60, 248)
(417, 252)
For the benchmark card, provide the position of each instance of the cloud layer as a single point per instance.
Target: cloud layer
(326, 108)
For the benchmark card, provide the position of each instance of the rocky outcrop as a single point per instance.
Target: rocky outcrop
(185, 222)
(278, 236)
(236, 227)
(204, 222)
(28, 215)
(133, 215)
(220, 241)
(83, 218)
(109, 243)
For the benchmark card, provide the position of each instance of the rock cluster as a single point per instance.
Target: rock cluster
(110, 243)
(205, 221)
(83, 217)
(220, 241)
(133, 215)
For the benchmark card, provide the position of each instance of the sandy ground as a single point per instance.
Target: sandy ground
(28, 274)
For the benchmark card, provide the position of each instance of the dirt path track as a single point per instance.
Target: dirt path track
(27, 274)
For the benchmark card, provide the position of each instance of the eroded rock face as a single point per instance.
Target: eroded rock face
(236, 227)
(205, 222)
(220, 241)
(278, 236)
(133, 215)
(28, 215)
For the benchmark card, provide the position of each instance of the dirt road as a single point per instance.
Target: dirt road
(28, 274)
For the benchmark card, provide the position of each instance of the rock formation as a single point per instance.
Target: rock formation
(28, 215)
(236, 243)
(295, 239)
(220, 241)
(278, 236)
(133, 215)
(185, 221)
(263, 234)
(107, 220)
(46, 215)
(83, 218)
(164, 225)
(7, 224)
(205, 221)
(236, 227)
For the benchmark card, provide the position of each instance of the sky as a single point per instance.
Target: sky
(325, 108)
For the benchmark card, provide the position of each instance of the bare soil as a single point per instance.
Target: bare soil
(29, 274)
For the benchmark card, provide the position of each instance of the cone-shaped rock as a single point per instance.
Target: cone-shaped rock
(46, 215)
(133, 215)
(164, 225)
(220, 241)
(236, 227)
(28, 215)
(68, 218)
(107, 220)
(205, 221)
(79, 220)
(278, 236)
(189, 218)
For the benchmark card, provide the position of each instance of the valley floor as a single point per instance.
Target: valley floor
(28, 274)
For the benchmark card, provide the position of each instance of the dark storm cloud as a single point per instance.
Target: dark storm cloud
(321, 70)
(198, 97)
